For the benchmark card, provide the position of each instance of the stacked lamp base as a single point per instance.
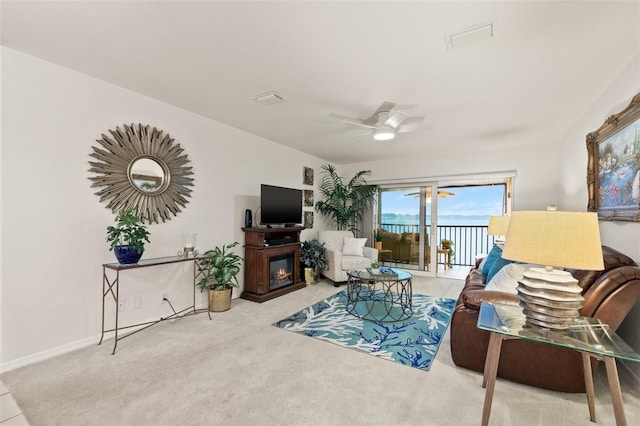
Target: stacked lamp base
(550, 298)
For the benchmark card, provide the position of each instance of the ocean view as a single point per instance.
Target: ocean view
(444, 220)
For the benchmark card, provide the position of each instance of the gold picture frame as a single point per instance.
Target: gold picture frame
(613, 168)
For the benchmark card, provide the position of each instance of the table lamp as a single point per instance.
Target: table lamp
(498, 226)
(550, 297)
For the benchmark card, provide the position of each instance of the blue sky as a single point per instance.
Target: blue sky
(468, 201)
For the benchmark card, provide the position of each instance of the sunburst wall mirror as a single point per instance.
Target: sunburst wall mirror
(140, 166)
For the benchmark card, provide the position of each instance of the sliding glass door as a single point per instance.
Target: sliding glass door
(464, 209)
(405, 215)
(416, 217)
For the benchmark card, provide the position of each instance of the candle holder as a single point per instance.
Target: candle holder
(189, 246)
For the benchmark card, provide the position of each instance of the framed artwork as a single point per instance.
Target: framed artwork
(613, 169)
(307, 176)
(308, 220)
(308, 198)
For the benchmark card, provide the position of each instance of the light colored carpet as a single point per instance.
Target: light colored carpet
(239, 370)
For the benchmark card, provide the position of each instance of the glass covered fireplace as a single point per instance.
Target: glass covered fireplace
(280, 271)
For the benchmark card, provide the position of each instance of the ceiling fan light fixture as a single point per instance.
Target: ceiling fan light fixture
(384, 133)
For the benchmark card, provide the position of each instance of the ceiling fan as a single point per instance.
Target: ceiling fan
(441, 194)
(385, 123)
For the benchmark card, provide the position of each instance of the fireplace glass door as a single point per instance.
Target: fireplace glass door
(280, 271)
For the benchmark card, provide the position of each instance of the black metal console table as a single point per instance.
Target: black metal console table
(112, 286)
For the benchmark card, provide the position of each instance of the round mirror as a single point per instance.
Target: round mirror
(140, 166)
(148, 175)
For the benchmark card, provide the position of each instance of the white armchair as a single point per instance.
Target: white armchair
(339, 263)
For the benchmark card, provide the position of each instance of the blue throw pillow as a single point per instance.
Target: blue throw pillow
(497, 265)
(493, 255)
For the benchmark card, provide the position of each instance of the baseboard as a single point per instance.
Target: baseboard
(69, 347)
(49, 353)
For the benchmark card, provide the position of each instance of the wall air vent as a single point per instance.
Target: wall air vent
(269, 98)
(470, 36)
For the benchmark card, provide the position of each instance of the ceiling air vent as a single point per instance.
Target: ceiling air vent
(470, 36)
(269, 98)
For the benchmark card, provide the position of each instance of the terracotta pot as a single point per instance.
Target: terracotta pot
(378, 245)
(220, 300)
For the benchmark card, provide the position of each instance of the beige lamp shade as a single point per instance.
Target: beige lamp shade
(498, 225)
(554, 238)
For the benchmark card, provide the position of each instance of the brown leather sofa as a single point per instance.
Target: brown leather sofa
(609, 295)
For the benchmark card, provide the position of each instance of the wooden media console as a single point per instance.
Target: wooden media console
(271, 262)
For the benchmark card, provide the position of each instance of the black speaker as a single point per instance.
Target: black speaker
(248, 222)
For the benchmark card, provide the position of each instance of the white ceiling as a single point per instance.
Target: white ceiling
(528, 85)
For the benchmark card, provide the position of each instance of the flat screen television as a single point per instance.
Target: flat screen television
(280, 206)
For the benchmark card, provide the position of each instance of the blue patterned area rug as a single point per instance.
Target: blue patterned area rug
(413, 342)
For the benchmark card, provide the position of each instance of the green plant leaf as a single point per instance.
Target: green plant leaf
(222, 266)
(345, 202)
(129, 230)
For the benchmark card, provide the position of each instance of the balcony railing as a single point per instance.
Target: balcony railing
(468, 240)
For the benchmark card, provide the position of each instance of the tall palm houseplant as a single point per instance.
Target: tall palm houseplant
(345, 202)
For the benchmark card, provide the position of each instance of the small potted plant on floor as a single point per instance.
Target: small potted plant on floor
(378, 235)
(127, 238)
(448, 245)
(222, 266)
(313, 255)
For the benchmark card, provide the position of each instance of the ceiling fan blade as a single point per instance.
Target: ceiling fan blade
(353, 123)
(386, 106)
(361, 135)
(414, 127)
(445, 194)
(344, 117)
(374, 118)
(396, 119)
(412, 121)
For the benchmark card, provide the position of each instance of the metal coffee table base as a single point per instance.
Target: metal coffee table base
(379, 299)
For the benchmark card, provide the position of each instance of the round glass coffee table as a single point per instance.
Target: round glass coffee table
(384, 297)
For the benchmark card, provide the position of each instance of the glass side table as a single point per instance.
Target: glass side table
(589, 336)
(384, 297)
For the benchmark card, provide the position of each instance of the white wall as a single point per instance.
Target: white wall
(1, 221)
(53, 242)
(536, 170)
(623, 236)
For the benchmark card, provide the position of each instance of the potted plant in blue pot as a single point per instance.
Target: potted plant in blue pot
(127, 238)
